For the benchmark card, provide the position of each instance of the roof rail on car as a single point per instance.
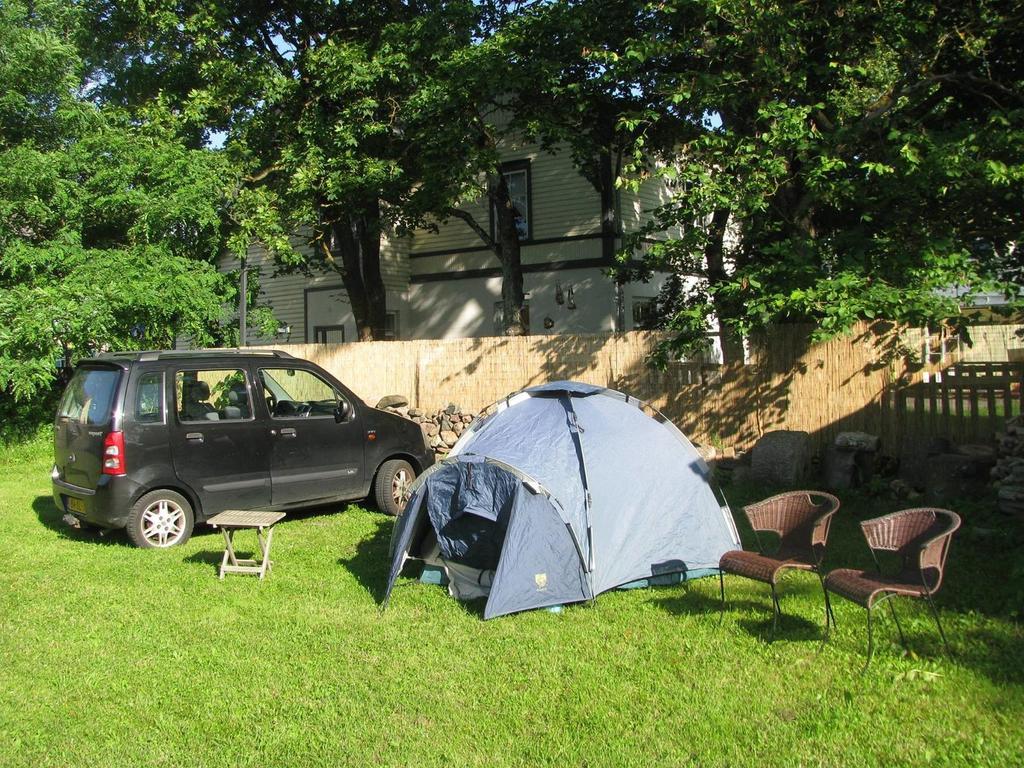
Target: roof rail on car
(127, 355)
(173, 354)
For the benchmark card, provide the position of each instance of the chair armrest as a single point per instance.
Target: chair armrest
(819, 534)
(932, 553)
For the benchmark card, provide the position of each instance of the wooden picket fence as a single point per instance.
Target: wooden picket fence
(966, 402)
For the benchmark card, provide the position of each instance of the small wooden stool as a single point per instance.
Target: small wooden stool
(231, 520)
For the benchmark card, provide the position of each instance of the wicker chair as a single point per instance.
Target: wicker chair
(801, 520)
(920, 538)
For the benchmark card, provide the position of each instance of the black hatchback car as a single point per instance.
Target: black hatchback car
(155, 442)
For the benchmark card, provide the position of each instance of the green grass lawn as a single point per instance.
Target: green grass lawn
(111, 655)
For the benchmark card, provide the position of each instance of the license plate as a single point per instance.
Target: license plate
(76, 505)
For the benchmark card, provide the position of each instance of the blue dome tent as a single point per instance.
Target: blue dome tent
(561, 492)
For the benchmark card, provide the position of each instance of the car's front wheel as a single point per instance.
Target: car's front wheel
(391, 490)
(160, 519)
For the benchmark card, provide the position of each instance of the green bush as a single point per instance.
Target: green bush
(26, 427)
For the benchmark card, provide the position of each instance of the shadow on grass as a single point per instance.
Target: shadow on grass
(994, 650)
(693, 601)
(791, 627)
(998, 656)
(474, 607)
(756, 616)
(371, 562)
(212, 559)
(52, 518)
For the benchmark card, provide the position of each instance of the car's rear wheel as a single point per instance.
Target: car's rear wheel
(391, 490)
(160, 519)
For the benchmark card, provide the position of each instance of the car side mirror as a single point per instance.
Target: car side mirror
(341, 412)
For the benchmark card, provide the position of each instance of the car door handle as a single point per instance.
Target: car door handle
(288, 432)
(195, 436)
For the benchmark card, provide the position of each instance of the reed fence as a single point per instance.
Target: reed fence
(874, 380)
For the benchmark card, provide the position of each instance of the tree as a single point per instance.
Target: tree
(460, 121)
(358, 119)
(582, 81)
(848, 160)
(314, 99)
(108, 226)
(534, 72)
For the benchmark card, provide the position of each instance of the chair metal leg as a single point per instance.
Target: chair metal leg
(721, 589)
(892, 609)
(777, 612)
(830, 615)
(871, 643)
(935, 613)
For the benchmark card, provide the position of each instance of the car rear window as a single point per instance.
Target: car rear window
(149, 398)
(89, 398)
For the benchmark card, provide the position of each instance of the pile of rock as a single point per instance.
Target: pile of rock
(1008, 473)
(957, 471)
(781, 457)
(442, 428)
(850, 460)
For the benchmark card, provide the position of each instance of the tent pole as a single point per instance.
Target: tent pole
(574, 431)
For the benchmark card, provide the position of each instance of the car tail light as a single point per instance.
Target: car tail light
(113, 454)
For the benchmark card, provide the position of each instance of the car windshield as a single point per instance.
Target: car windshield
(273, 386)
(89, 397)
(296, 392)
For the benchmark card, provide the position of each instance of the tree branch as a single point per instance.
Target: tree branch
(822, 122)
(328, 256)
(978, 85)
(261, 175)
(482, 233)
(271, 50)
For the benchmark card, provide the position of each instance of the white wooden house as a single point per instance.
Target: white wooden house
(447, 284)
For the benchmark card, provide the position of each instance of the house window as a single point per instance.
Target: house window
(499, 317)
(645, 313)
(329, 334)
(335, 334)
(517, 179)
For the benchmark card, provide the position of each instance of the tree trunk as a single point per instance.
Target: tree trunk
(608, 170)
(376, 295)
(357, 240)
(714, 254)
(513, 298)
(609, 165)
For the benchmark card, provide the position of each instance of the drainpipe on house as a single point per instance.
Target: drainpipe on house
(620, 307)
(612, 244)
(609, 167)
(243, 295)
